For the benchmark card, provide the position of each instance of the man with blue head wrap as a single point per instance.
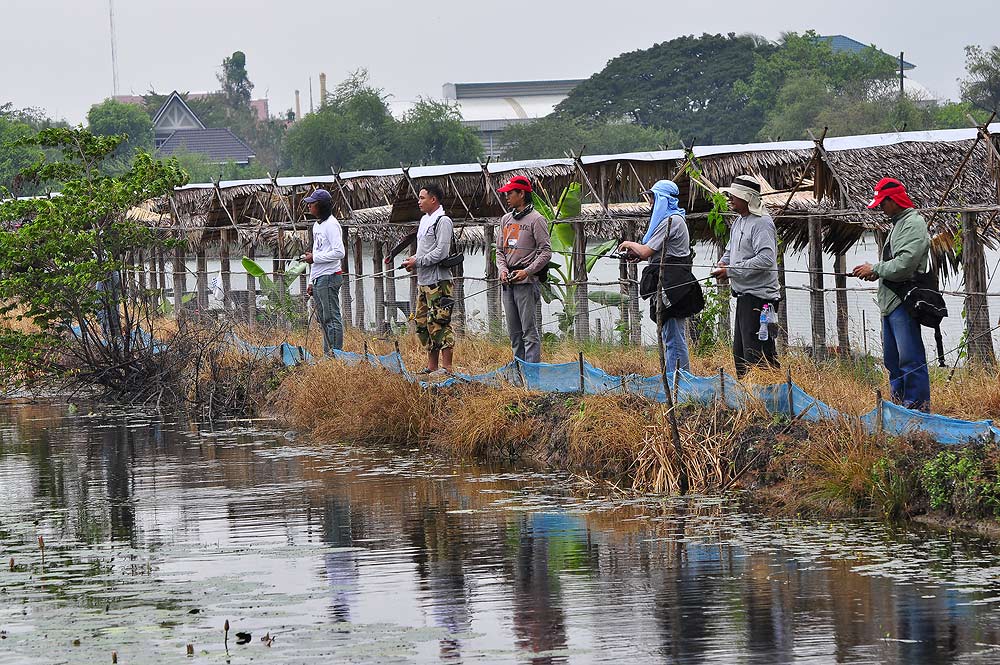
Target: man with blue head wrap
(667, 246)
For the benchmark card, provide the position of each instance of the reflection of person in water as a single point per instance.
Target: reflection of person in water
(342, 565)
(441, 574)
(539, 620)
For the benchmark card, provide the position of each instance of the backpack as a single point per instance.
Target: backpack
(456, 258)
(923, 301)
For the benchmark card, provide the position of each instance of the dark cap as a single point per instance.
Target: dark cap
(318, 195)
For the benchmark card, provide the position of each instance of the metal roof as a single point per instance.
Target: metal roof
(509, 88)
(840, 43)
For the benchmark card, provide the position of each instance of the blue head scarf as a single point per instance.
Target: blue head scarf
(664, 205)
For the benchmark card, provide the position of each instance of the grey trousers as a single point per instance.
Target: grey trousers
(519, 304)
(326, 295)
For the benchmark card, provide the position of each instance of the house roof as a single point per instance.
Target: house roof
(173, 100)
(843, 43)
(218, 145)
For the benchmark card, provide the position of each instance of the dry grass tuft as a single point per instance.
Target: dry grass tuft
(605, 433)
(503, 422)
(334, 401)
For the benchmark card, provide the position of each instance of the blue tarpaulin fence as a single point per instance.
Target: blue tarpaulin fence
(565, 378)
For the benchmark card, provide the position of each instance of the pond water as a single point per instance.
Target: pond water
(158, 532)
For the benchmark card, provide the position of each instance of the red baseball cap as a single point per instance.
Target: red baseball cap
(890, 188)
(517, 182)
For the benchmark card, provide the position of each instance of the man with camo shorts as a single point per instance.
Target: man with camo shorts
(434, 299)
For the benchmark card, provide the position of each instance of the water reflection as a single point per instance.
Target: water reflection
(157, 532)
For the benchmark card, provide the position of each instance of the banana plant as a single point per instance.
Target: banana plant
(563, 236)
(278, 299)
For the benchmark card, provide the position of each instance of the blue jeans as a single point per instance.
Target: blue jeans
(326, 293)
(903, 352)
(675, 345)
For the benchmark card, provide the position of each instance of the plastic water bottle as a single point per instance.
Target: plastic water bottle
(762, 333)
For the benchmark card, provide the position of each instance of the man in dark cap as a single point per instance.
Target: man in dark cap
(904, 254)
(326, 275)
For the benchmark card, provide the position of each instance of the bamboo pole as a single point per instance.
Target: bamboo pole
(251, 287)
(377, 269)
(675, 435)
(359, 286)
(977, 319)
(494, 314)
(201, 279)
(791, 394)
(346, 306)
(225, 268)
(843, 315)
(390, 295)
(180, 281)
(583, 383)
(782, 341)
(817, 297)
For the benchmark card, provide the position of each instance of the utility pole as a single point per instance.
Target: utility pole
(901, 75)
(114, 45)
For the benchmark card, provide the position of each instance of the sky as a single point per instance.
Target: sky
(56, 54)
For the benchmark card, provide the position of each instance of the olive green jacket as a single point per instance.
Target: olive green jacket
(910, 244)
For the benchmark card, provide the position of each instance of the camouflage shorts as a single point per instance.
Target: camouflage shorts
(433, 316)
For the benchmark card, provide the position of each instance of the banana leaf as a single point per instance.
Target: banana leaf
(296, 268)
(542, 207)
(609, 298)
(598, 252)
(255, 270)
(570, 201)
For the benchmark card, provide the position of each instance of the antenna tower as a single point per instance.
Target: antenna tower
(114, 45)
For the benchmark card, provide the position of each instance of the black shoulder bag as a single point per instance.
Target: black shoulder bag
(922, 299)
(456, 258)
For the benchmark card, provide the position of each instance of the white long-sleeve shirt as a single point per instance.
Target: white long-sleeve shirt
(328, 248)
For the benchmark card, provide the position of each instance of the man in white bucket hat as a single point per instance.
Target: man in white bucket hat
(751, 263)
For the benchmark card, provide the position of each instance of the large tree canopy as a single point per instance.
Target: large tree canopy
(981, 85)
(355, 130)
(551, 137)
(111, 118)
(684, 86)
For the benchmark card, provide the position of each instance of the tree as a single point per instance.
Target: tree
(551, 137)
(235, 82)
(112, 118)
(61, 267)
(684, 85)
(15, 153)
(800, 79)
(981, 85)
(432, 133)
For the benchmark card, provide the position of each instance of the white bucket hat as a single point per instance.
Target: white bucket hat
(747, 188)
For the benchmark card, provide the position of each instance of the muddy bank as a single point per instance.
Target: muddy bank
(794, 468)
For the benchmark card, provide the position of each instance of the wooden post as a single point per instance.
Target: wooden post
(583, 384)
(359, 283)
(677, 371)
(202, 279)
(625, 311)
(413, 290)
(722, 385)
(390, 295)
(843, 318)
(977, 310)
(162, 269)
(251, 287)
(675, 434)
(140, 264)
(458, 320)
(378, 267)
(346, 306)
(493, 313)
(225, 268)
(581, 319)
(180, 281)
(817, 300)
(725, 327)
(278, 264)
(791, 395)
(782, 340)
(635, 315)
(879, 416)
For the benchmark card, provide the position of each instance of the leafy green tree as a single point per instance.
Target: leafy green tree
(432, 133)
(792, 85)
(15, 155)
(235, 81)
(552, 137)
(981, 85)
(684, 85)
(63, 249)
(352, 130)
(112, 118)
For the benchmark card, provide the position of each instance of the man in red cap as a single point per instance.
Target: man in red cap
(523, 250)
(904, 254)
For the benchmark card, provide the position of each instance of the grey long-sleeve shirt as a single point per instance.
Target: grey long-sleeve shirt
(434, 246)
(752, 257)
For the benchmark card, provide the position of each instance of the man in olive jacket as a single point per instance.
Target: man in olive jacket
(904, 254)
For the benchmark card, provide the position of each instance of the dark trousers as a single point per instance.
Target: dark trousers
(748, 349)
